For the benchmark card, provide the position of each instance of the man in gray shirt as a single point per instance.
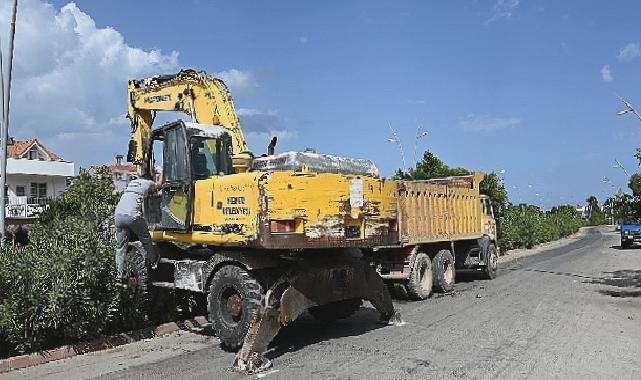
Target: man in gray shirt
(130, 222)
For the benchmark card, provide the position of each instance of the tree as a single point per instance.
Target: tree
(493, 186)
(430, 167)
(593, 205)
(635, 184)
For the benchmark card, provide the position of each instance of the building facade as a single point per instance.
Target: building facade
(35, 175)
(121, 172)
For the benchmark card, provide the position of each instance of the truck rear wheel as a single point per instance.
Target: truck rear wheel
(234, 299)
(489, 270)
(336, 310)
(419, 285)
(444, 273)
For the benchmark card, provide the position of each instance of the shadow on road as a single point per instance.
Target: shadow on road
(307, 331)
(618, 247)
(468, 275)
(626, 278)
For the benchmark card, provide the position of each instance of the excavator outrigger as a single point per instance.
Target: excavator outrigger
(266, 238)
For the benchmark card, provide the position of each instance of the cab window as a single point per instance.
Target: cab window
(487, 207)
(209, 157)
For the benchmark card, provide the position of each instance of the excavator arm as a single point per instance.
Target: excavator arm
(205, 98)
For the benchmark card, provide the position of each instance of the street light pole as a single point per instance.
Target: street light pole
(618, 164)
(397, 141)
(419, 135)
(628, 108)
(4, 133)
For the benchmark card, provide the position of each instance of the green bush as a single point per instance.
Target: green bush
(60, 288)
(526, 226)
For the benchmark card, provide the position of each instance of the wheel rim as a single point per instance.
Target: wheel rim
(231, 303)
(132, 283)
(426, 278)
(448, 272)
(493, 261)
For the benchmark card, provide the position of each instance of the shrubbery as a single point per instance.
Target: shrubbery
(526, 226)
(61, 287)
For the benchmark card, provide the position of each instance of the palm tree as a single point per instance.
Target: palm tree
(593, 204)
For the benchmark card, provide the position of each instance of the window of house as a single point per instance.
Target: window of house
(20, 191)
(38, 190)
(34, 154)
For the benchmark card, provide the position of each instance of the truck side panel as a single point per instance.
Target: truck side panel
(445, 209)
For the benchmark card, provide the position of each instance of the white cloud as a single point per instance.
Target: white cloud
(606, 73)
(503, 10)
(239, 82)
(630, 51)
(303, 39)
(70, 80)
(261, 125)
(484, 123)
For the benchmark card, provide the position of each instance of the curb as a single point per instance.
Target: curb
(101, 343)
(516, 253)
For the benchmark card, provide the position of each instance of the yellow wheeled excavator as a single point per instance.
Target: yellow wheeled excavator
(266, 238)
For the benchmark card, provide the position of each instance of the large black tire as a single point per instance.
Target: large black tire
(334, 311)
(419, 285)
(136, 275)
(625, 244)
(489, 270)
(234, 299)
(444, 272)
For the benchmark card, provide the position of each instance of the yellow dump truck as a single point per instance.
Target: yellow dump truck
(443, 224)
(269, 237)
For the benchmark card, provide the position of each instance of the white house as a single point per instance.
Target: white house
(121, 172)
(35, 175)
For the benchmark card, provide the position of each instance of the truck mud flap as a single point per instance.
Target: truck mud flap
(311, 284)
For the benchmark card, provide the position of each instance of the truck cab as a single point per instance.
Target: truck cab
(487, 217)
(630, 231)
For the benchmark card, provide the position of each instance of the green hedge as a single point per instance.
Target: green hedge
(526, 226)
(61, 287)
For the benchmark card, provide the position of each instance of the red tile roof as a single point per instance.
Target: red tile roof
(122, 168)
(19, 148)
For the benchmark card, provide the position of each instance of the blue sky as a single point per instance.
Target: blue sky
(522, 86)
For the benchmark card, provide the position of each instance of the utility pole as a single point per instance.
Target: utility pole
(4, 133)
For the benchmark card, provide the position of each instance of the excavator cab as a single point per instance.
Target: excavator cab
(190, 152)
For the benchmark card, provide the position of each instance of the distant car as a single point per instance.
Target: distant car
(630, 232)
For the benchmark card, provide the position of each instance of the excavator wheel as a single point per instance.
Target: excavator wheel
(234, 298)
(136, 274)
(336, 310)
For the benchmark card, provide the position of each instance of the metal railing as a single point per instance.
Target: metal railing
(26, 207)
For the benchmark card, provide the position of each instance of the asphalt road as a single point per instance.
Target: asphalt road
(566, 312)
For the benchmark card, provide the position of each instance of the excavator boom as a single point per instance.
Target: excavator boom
(203, 97)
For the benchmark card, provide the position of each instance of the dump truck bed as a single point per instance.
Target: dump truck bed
(444, 209)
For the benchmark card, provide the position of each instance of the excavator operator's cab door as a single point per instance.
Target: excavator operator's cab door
(177, 188)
